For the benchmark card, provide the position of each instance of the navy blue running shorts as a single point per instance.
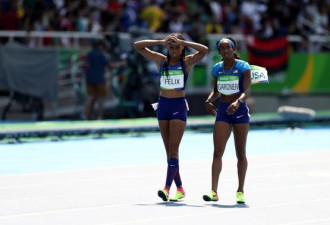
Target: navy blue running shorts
(172, 109)
(240, 116)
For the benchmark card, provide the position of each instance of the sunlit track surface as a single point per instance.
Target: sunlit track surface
(287, 182)
(280, 189)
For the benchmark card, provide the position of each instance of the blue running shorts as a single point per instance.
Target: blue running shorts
(240, 116)
(172, 109)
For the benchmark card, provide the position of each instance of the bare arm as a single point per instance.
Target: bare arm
(142, 48)
(247, 90)
(246, 86)
(210, 108)
(192, 59)
(118, 64)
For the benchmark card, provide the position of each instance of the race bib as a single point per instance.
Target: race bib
(174, 80)
(228, 85)
(258, 74)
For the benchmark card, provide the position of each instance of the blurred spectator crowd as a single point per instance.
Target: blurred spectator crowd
(196, 18)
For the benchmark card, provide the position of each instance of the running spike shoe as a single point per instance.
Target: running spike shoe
(178, 195)
(163, 194)
(213, 196)
(240, 197)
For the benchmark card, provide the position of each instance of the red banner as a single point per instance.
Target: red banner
(270, 53)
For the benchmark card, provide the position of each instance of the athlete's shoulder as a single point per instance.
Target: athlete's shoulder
(241, 62)
(243, 65)
(218, 64)
(216, 67)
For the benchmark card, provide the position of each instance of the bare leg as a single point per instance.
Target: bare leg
(176, 130)
(172, 132)
(164, 126)
(100, 102)
(240, 135)
(89, 107)
(221, 134)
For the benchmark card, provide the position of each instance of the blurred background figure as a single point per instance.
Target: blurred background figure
(278, 35)
(153, 16)
(96, 83)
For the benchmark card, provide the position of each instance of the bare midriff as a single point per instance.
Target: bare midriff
(229, 98)
(172, 93)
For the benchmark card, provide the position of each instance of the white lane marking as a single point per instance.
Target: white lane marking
(168, 217)
(316, 221)
(48, 212)
(144, 187)
(147, 175)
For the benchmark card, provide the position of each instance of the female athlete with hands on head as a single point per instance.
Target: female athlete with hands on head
(232, 82)
(172, 106)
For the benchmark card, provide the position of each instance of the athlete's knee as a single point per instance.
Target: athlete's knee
(217, 154)
(241, 157)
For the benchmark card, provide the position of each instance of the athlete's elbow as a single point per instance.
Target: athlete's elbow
(136, 45)
(205, 50)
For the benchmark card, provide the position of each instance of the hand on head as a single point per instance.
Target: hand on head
(172, 40)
